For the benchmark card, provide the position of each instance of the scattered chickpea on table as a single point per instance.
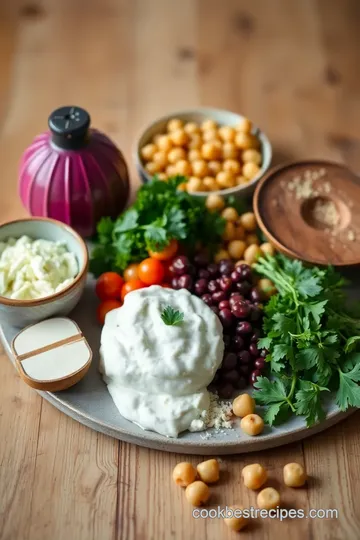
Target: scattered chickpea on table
(212, 157)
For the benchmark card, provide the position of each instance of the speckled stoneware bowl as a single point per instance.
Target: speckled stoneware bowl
(22, 312)
(222, 118)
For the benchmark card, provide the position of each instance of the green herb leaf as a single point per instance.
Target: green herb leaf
(348, 394)
(351, 343)
(127, 222)
(270, 391)
(308, 402)
(171, 317)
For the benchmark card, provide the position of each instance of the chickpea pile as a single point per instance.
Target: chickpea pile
(212, 157)
(195, 481)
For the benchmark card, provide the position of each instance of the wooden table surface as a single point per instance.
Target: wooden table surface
(293, 67)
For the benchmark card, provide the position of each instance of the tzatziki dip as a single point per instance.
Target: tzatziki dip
(157, 372)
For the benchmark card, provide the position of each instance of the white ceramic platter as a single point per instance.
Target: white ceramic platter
(90, 403)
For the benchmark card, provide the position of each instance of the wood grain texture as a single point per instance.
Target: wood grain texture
(290, 66)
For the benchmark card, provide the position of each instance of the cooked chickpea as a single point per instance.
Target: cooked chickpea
(230, 214)
(152, 167)
(252, 424)
(244, 141)
(232, 166)
(179, 137)
(225, 179)
(170, 171)
(210, 183)
(252, 239)
(237, 521)
(182, 186)
(241, 180)
(210, 135)
(226, 133)
(194, 155)
(236, 249)
(197, 493)
(239, 262)
(160, 158)
(251, 156)
(191, 127)
(164, 143)
(210, 151)
(239, 232)
(194, 184)
(208, 124)
(195, 141)
(244, 125)
(243, 405)
(229, 151)
(229, 232)
(176, 154)
(268, 498)
(199, 168)
(267, 248)
(250, 170)
(162, 176)
(267, 287)
(209, 471)
(214, 202)
(183, 167)
(248, 221)
(214, 167)
(294, 475)
(252, 253)
(254, 476)
(221, 254)
(184, 474)
(148, 151)
(174, 124)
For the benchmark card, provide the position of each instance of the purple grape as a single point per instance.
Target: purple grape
(201, 259)
(203, 274)
(243, 287)
(225, 283)
(245, 271)
(264, 353)
(227, 340)
(235, 276)
(255, 295)
(213, 270)
(185, 282)
(218, 296)
(215, 309)
(181, 264)
(253, 350)
(240, 309)
(255, 314)
(175, 283)
(231, 376)
(235, 297)
(244, 370)
(226, 267)
(213, 286)
(254, 375)
(243, 328)
(226, 390)
(239, 343)
(241, 383)
(259, 363)
(171, 270)
(207, 299)
(226, 318)
(224, 304)
(201, 286)
(254, 338)
(230, 361)
(244, 357)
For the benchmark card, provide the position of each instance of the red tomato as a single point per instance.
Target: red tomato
(151, 272)
(105, 307)
(165, 254)
(131, 272)
(131, 285)
(108, 286)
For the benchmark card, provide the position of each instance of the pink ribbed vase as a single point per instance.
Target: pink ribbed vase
(73, 173)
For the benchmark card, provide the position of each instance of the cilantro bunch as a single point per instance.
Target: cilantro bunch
(160, 213)
(313, 340)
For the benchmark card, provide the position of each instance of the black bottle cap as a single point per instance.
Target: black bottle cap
(69, 127)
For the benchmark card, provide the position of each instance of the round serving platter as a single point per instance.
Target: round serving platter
(89, 403)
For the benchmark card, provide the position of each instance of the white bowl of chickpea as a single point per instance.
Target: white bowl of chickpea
(218, 151)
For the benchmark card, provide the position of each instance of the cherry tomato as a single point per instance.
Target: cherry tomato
(131, 285)
(151, 271)
(131, 272)
(105, 307)
(167, 253)
(108, 286)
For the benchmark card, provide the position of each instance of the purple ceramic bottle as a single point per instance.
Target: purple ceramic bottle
(73, 173)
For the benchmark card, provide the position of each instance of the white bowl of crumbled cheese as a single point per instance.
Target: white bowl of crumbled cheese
(43, 268)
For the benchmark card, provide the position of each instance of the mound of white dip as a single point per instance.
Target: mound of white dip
(156, 373)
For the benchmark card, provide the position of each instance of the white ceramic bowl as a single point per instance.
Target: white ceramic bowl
(23, 312)
(222, 118)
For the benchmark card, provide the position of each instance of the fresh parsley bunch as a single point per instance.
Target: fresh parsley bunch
(312, 337)
(160, 213)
